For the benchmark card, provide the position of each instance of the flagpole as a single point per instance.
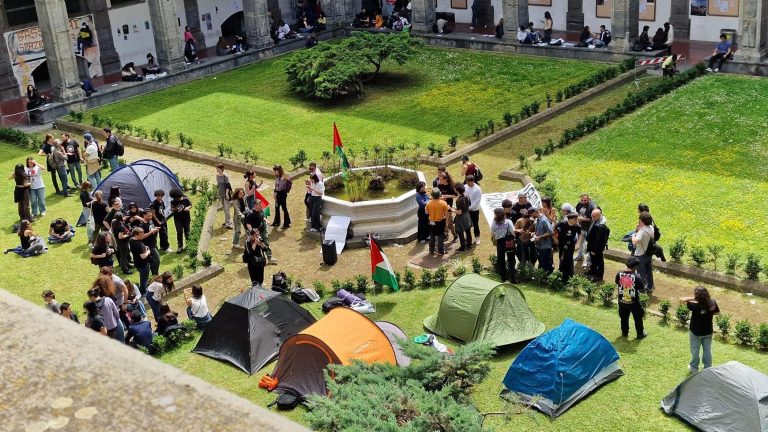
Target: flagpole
(370, 248)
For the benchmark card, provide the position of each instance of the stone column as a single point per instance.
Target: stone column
(193, 21)
(59, 52)
(680, 20)
(340, 12)
(625, 17)
(574, 18)
(515, 15)
(168, 36)
(9, 86)
(423, 14)
(257, 24)
(752, 41)
(110, 60)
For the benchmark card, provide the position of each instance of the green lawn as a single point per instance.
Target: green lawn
(66, 268)
(697, 157)
(652, 366)
(437, 95)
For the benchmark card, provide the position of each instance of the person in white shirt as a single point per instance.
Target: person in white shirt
(642, 239)
(313, 169)
(282, 30)
(37, 188)
(315, 189)
(475, 195)
(91, 157)
(197, 306)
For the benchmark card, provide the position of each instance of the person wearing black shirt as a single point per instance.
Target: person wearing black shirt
(703, 308)
(256, 221)
(149, 238)
(122, 235)
(254, 257)
(72, 148)
(140, 254)
(630, 285)
(521, 204)
(567, 236)
(158, 210)
(46, 150)
(597, 241)
(101, 254)
(99, 212)
(180, 207)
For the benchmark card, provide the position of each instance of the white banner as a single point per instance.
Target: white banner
(493, 200)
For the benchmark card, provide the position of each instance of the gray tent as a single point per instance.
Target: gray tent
(728, 398)
(138, 182)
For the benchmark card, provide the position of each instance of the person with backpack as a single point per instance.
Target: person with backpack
(643, 240)
(112, 150)
(469, 168)
(45, 150)
(630, 284)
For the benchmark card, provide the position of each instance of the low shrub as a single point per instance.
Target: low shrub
(492, 259)
(762, 336)
(540, 277)
(440, 276)
(409, 279)
(683, 314)
(555, 282)
(525, 273)
(698, 255)
(723, 322)
(361, 283)
(477, 265)
(426, 279)
(207, 259)
(459, 267)
(319, 288)
(744, 333)
(17, 137)
(732, 263)
(644, 298)
(752, 266)
(677, 249)
(664, 307)
(606, 294)
(164, 344)
(178, 272)
(576, 284)
(715, 250)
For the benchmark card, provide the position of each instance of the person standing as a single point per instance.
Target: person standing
(543, 240)
(548, 23)
(283, 185)
(524, 228)
(239, 210)
(641, 240)
(122, 236)
(150, 240)
(462, 222)
(58, 161)
(315, 189)
(630, 284)
(99, 213)
(112, 150)
(250, 187)
(584, 208)
(72, 149)
(255, 258)
(703, 308)
(180, 209)
(503, 236)
(669, 33)
(437, 211)
(158, 216)
(477, 14)
(140, 253)
(224, 193)
(521, 204)
(597, 242)
(475, 195)
(37, 188)
(92, 160)
(567, 234)
(468, 168)
(21, 191)
(422, 233)
(313, 169)
(46, 150)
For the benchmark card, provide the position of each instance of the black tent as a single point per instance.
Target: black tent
(248, 329)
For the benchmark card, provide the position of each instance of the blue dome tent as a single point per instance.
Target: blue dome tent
(561, 367)
(138, 182)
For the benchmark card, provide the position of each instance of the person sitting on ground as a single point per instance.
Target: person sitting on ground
(603, 38)
(500, 29)
(197, 306)
(586, 37)
(722, 51)
(60, 231)
(34, 98)
(535, 36)
(152, 67)
(31, 244)
(284, 31)
(50, 301)
(87, 86)
(378, 22)
(362, 20)
(401, 23)
(241, 44)
(190, 52)
(168, 318)
(659, 39)
(321, 22)
(130, 75)
(223, 48)
(305, 26)
(67, 312)
(643, 42)
(523, 36)
(140, 332)
(94, 320)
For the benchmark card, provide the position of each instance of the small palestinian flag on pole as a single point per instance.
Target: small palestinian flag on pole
(264, 203)
(381, 271)
(338, 148)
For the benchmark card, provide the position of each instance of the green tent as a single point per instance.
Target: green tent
(475, 308)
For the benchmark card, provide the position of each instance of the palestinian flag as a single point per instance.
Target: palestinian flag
(264, 203)
(338, 148)
(381, 271)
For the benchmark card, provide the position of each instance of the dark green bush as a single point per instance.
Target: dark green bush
(664, 307)
(744, 333)
(409, 279)
(17, 137)
(723, 322)
(683, 314)
(732, 263)
(677, 249)
(752, 266)
(477, 265)
(426, 279)
(440, 275)
(762, 337)
(606, 294)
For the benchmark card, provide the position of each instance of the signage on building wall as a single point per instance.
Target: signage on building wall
(647, 10)
(724, 8)
(603, 8)
(27, 50)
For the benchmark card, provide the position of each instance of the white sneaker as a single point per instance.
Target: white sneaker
(312, 230)
(168, 250)
(717, 70)
(272, 261)
(477, 241)
(42, 214)
(708, 69)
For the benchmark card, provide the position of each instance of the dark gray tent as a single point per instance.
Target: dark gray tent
(249, 329)
(138, 182)
(728, 398)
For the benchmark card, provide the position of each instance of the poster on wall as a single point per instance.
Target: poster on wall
(726, 8)
(698, 7)
(647, 10)
(540, 2)
(458, 4)
(603, 8)
(27, 51)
